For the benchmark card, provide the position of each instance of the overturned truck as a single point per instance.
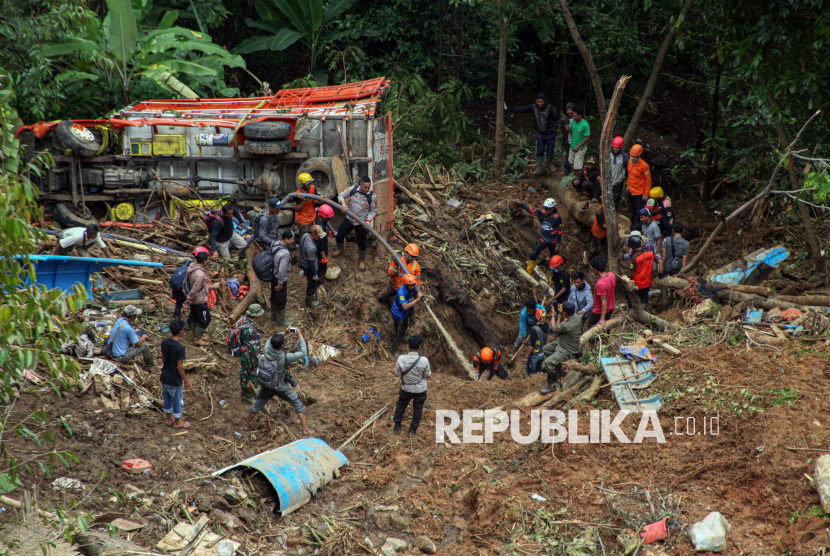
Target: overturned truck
(242, 149)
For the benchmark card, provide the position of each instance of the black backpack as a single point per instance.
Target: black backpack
(263, 263)
(178, 282)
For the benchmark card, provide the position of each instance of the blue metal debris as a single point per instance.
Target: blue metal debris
(751, 269)
(626, 376)
(296, 470)
(53, 271)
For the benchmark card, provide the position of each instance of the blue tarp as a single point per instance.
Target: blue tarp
(738, 272)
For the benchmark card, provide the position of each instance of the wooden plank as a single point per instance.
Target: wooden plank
(671, 349)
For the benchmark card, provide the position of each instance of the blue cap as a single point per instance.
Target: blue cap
(274, 202)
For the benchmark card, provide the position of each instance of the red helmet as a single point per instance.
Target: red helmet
(617, 142)
(556, 260)
(200, 249)
(486, 355)
(325, 211)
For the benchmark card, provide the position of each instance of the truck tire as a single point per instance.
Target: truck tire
(267, 130)
(69, 217)
(279, 146)
(78, 138)
(320, 170)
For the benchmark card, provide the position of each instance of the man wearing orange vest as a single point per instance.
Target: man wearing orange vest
(599, 233)
(305, 212)
(488, 359)
(639, 185)
(410, 259)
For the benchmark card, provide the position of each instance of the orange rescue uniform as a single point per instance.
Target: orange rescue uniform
(396, 277)
(307, 214)
(639, 178)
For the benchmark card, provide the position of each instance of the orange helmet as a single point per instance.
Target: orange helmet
(486, 355)
(556, 260)
(636, 150)
(413, 250)
(409, 279)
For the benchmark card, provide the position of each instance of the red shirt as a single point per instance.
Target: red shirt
(643, 269)
(605, 286)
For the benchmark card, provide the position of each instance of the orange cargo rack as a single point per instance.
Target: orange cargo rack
(357, 99)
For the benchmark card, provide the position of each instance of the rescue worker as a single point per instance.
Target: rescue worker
(544, 122)
(308, 265)
(413, 369)
(661, 210)
(527, 319)
(80, 239)
(405, 299)
(304, 212)
(580, 135)
(268, 224)
(410, 259)
(222, 233)
(362, 202)
(551, 231)
(281, 251)
(489, 359)
(568, 329)
(588, 181)
(197, 298)
(618, 168)
(581, 295)
(639, 184)
(642, 267)
(560, 280)
(324, 215)
(275, 380)
(538, 338)
(566, 121)
(599, 233)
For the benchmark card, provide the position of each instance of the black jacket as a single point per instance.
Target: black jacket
(545, 118)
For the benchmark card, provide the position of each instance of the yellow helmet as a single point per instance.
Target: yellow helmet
(656, 192)
(305, 178)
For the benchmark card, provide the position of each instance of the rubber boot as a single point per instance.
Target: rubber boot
(361, 255)
(339, 251)
(530, 266)
(247, 396)
(310, 302)
(540, 165)
(279, 317)
(273, 313)
(396, 429)
(550, 165)
(395, 344)
(546, 389)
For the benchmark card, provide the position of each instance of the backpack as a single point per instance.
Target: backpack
(255, 218)
(267, 373)
(213, 216)
(179, 279)
(369, 195)
(234, 337)
(263, 263)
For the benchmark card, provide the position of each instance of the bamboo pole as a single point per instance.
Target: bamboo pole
(454, 347)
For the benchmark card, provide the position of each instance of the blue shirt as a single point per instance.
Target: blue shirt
(526, 321)
(126, 337)
(402, 296)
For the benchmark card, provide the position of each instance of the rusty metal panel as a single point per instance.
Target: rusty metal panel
(296, 470)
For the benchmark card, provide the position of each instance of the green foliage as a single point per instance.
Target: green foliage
(116, 52)
(820, 181)
(310, 22)
(9, 145)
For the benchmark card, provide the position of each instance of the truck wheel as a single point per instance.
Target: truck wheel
(279, 146)
(320, 170)
(267, 130)
(78, 138)
(70, 217)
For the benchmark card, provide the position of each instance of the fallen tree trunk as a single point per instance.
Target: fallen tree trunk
(820, 300)
(255, 290)
(465, 363)
(533, 399)
(580, 209)
(592, 333)
(637, 313)
(733, 296)
(459, 299)
(754, 290)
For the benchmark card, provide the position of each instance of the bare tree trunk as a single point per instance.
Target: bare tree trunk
(499, 157)
(711, 163)
(610, 207)
(440, 41)
(655, 73)
(586, 55)
(459, 41)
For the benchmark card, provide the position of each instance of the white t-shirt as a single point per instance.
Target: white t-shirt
(72, 237)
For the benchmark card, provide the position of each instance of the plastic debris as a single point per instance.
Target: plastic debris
(221, 403)
(136, 466)
(102, 366)
(225, 548)
(538, 497)
(709, 535)
(655, 531)
(454, 202)
(65, 483)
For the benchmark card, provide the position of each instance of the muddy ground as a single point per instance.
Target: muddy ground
(469, 499)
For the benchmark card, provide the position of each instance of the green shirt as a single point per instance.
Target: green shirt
(579, 131)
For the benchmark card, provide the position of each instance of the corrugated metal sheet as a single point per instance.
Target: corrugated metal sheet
(297, 470)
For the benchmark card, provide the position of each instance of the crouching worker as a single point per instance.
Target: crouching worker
(275, 380)
(488, 359)
(568, 327)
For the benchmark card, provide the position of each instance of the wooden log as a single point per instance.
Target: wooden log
(735, 297)
(254, 290)
(378, 414)
(409, 194)
(637, 312)
(592, 333)
(146, 281)
(562, 395)
(531, 400)
(517, 266)
(754, 290)
(805, 300)
(591, 392)
(468, 367)
(19, 505)
(671, 349)
(582, 210)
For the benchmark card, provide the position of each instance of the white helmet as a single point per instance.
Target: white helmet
(550, 202)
